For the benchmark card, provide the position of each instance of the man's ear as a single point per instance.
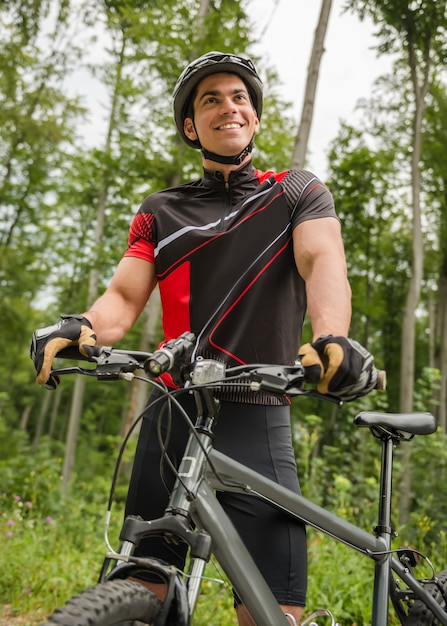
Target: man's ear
(189, 129)
(257, 122)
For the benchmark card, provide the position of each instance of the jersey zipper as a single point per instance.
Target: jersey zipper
(227, 206)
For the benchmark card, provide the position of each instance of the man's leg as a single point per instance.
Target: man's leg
(260, 437)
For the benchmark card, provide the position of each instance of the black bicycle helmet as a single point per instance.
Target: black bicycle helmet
(213, 63)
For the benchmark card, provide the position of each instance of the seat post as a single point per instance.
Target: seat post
(385, 531)
(383, 528)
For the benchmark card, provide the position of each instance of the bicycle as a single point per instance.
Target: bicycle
(194, 515)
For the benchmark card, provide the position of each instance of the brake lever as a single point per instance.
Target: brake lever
(61, 371)
(110, 365)
(271, 378)
(280, 379)
(313, 393)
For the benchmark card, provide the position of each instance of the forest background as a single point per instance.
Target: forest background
(65, 208)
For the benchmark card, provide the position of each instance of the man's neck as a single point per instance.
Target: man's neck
(225, 170)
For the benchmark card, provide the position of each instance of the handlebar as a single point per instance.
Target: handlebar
(174, 357)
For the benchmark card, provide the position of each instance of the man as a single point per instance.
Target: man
(238, 255)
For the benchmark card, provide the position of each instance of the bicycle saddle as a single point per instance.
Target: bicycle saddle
(422, 423)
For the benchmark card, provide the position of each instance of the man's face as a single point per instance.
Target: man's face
(224, 118)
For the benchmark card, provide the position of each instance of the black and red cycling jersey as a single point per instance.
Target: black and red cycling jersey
(224, 260)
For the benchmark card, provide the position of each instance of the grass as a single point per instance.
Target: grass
(51, 558)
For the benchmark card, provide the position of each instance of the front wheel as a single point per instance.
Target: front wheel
(113, 602)
(419, 614)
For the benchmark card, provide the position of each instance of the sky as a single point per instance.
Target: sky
(348, 68)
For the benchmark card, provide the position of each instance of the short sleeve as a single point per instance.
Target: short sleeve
(141, 239)
(308, 197)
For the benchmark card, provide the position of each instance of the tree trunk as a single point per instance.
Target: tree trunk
(441, 326)
(72, 434)
(78, 392)
(54, 411)
(442, 335)
(431, 311)
(25, 417)
(414, 288)
(41, 421)
(302, 138)
(199, 35)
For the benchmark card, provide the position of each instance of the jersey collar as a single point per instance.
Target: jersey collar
(236, 177)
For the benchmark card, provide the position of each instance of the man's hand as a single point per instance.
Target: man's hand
(72, 330)
(340, 366)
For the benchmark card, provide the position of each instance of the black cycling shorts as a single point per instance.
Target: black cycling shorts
(258, 436)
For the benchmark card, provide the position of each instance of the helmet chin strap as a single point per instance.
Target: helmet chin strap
(228, 160)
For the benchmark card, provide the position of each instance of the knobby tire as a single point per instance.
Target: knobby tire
(108, 604)
(419, 614)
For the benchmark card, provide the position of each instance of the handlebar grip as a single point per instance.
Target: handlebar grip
(381, 380)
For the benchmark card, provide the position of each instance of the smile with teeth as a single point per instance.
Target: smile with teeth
(229, 126)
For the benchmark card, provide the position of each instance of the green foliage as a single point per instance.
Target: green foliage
(339, 579)
(35, 544)
(215, 598)
(377, 242)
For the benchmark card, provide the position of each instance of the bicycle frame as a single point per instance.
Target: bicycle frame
(204, 470)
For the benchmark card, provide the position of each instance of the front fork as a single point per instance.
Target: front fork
(194, 582)
(176, 523)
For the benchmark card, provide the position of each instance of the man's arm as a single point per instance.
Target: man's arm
(320, 259)
(338, 365)
(119, 307)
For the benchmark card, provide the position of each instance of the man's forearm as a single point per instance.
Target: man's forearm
(328, 302)
(110, 318)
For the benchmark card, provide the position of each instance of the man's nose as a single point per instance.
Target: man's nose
(228, 106)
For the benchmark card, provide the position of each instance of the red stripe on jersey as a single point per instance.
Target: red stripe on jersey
(141, 249)
(175, 293)
(319, 184)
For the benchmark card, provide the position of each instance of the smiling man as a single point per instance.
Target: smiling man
(239, 255)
